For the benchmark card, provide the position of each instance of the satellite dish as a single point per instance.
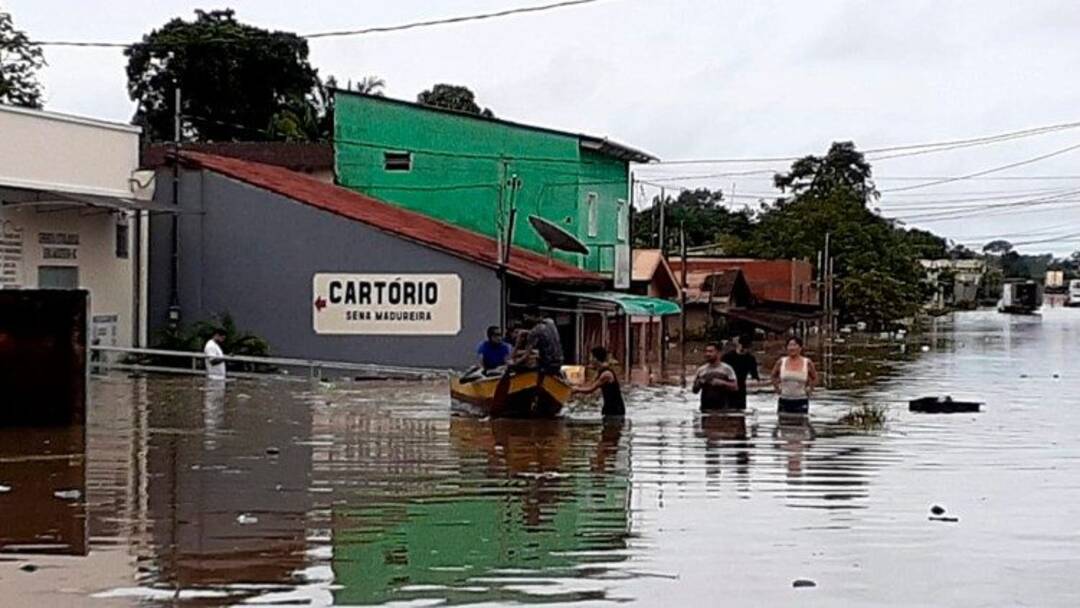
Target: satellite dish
(556, 237)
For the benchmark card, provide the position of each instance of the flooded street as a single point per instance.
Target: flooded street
(276, 493)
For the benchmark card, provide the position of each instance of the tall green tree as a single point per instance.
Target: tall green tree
(842, 168)
(238, 82)
(453, 97)
(20, 59)
(877, 274)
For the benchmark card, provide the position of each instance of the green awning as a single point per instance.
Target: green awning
(631, 304)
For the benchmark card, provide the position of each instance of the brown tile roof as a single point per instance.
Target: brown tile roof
(409, 225)
(298, 156)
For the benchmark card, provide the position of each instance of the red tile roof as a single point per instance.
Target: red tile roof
(404, 224)
(779, 280)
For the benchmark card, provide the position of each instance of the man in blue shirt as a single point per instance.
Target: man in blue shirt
(493, 352)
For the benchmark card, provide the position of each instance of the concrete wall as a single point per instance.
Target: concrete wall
(253, 254)
(109, 279)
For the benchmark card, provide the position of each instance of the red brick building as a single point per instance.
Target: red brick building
(787, 281)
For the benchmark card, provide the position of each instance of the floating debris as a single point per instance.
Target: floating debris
(942, 405)
(273, 451)
(68, 494)
(937, 510)
(4, 489)
(245, 519)
(28, 568)
(803, 582)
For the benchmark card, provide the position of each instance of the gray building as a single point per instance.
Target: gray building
(323, 272)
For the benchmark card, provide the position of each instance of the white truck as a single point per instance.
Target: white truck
(1074, 293)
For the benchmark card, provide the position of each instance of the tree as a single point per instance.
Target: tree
(20, 59)
(370, 85)
(926, 244)
(842, 168)
(878, 277)
(453, 97)
(998, 247)
(701, 212)
(237, 81)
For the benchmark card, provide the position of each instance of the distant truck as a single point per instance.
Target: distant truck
(1074, 293)
(1055, 281)
(1021, 297)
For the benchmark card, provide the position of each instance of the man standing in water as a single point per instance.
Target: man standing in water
(745, 365)
(715, 380)
(215, 367)
(606, 382)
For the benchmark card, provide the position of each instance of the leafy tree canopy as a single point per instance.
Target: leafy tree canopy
(237, 81)
(453, 97)
(842, 168)
(20, 59)
(999, 247)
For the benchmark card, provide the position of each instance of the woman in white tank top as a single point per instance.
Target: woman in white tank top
(794, 377)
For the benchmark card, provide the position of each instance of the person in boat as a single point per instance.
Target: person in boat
(715, 380)
(746, 366)
(493, 352)
(794, 377)
(544, 339)
(607, 382)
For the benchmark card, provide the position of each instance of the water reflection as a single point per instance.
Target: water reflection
(530, 502)
(286, 493)
(42, 501)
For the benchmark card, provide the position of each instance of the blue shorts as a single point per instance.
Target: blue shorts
(793, 406)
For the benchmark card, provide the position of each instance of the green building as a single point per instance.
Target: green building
(472, 171)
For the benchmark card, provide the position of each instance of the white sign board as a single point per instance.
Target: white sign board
(387, 304)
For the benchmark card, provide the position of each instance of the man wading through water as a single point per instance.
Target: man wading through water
(715, 380)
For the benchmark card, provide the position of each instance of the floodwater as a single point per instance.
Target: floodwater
(278, 493)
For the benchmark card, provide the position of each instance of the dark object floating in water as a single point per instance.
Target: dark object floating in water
(945, 519)
(28, 568)
(942, 405)
(272, 451)
(937, 510)
(803, 582)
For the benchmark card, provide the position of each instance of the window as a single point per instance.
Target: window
(58, 277)
(122, 241)
(624, 221)
(594, 211)
(397, 161)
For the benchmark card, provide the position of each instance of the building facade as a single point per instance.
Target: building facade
(471, 171)
(955, 282)
(73, 215)
(785, 281)
(323, 272)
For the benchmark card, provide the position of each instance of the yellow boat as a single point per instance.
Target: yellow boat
(517, 395)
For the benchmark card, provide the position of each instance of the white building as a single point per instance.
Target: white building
(73, 215)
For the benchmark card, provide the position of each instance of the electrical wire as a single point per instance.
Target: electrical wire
(1021, 163)
(341, 33)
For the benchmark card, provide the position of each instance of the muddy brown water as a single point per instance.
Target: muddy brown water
(279, 493)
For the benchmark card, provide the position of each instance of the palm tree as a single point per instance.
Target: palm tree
(370, 85)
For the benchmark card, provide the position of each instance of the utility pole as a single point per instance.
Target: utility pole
(663, 244)
(682, 302)
(174, 283)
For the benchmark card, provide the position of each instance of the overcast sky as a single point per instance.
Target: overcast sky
(688, 79)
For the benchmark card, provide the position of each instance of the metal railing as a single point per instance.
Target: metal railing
(315, 368)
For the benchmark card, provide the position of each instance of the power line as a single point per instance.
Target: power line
(987, 171)
(914, 149)
(344, 33)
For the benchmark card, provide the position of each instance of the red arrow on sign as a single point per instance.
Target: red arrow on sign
(320, 303)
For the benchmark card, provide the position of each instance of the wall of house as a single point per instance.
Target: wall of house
(49, 151)
(253, 254)
(459, 179)
(89, 246)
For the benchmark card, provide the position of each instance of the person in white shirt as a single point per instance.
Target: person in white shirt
(215, 368)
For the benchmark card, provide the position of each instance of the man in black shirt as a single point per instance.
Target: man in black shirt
(744, 364)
